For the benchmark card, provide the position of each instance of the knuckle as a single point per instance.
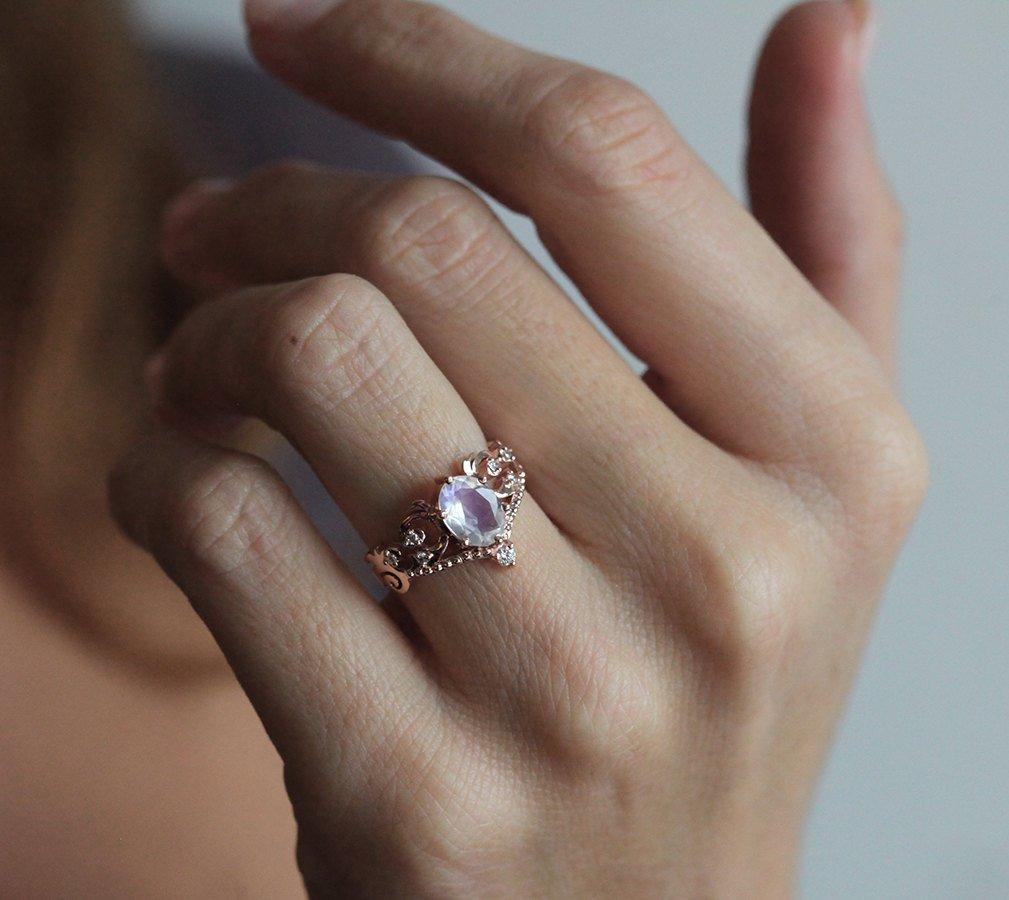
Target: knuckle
(752, 585)
(882, 468)
(451, 857)
(326, 339)
(230, 516)
(608, 710)
(450, 831)
(598, 706)
(429, 229)
(601, 134)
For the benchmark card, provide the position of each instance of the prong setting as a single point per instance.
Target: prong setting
(472, 520)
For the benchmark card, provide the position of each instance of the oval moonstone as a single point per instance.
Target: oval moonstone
(471, 511)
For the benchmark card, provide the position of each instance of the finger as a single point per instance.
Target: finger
(742, 346)
(523, 358)
(814, 180)
(332, 678)
(329, 363)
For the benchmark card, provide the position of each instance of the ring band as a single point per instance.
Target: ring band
(472, 519)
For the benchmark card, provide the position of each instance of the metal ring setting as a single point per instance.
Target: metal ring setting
(471, 520)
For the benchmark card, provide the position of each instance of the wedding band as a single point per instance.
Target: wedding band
(472, 519)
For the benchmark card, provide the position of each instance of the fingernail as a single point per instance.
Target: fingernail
(287, 15)
(866, 27)
(182, 212)
(154, 376)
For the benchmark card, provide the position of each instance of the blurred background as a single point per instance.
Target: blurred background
(915, 800)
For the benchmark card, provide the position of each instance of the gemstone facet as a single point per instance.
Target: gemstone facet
(471, 511)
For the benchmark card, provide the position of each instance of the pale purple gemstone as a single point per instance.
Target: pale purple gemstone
(471, 511)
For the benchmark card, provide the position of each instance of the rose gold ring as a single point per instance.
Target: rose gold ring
(472, 519)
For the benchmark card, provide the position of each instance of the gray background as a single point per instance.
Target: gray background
(915, 801)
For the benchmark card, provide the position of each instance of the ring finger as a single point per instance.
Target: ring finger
(331, 364)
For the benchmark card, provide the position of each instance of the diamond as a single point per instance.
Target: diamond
(414, 537)
(509, 482)
(505, 554)
(471, 511)
(423, 557)
(506, 453)
(494, 466)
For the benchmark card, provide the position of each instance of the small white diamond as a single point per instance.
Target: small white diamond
(506, 453)
(413, 538)
(509, 482)
(506, 554)
(423, 557)
(494, 466)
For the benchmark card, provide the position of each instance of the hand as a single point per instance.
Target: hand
(642, 703)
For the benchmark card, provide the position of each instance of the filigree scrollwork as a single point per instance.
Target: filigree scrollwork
(386, 572)
(425, 543)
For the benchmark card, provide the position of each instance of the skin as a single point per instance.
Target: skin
(642, 704)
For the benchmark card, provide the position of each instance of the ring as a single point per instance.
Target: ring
(472, 519)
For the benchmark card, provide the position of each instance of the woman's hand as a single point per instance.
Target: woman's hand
(643, 702)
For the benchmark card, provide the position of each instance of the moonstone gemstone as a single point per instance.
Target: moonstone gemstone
(471, 511)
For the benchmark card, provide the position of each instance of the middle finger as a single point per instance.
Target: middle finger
(525, 360)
